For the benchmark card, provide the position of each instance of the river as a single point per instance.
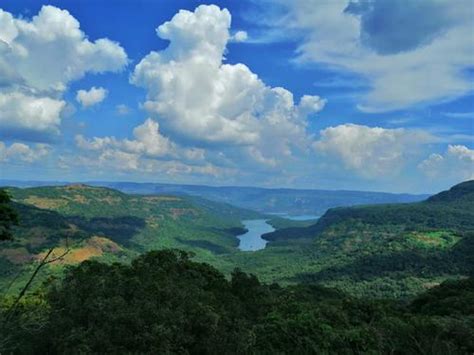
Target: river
(253, 241)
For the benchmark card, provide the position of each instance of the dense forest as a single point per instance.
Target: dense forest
(166, 303)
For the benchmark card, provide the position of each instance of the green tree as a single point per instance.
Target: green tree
(8, 216)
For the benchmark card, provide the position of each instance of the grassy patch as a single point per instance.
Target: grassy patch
(434, 239)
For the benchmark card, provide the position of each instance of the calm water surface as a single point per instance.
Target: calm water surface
(304, 217)
(252, 240)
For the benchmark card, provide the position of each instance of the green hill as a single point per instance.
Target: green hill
(459, 195)
(392, 250)
(395, 250)
(94, 222)
(452, 209)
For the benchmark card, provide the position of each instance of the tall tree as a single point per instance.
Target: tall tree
(8, 216)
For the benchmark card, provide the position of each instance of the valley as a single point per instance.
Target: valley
(353, 249)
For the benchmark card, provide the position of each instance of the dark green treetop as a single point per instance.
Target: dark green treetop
(8, 216)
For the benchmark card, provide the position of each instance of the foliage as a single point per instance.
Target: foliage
(453, 209)
(8, 216)
(387, 266)
(163, 302)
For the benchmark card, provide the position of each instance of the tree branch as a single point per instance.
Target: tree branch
(43, 262)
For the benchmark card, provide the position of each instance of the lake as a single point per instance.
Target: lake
(304, 217)
(252, 240)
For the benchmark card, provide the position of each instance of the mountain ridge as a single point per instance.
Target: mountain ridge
(265, 200)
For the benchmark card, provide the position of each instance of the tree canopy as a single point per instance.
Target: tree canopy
(8, 216)
(163, 302)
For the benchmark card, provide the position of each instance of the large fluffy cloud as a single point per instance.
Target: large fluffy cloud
(455, 165)
(38, 59)
(371, 152)
(20, 112)
(410, 51)
(204, 102)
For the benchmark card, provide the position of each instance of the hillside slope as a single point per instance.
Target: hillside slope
(452, 209)
(114, 226)
(396, 250)
(383, 250)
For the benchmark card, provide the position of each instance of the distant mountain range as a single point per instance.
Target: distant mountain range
(287, 201)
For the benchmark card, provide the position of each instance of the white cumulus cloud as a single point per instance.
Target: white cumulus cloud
(202, 101)
(147, 145)
(39, 57)
(29, 112)
(148, 152)
(22, 152)
(454, 165)
(91, 97)
(371, 152)
(239, 36)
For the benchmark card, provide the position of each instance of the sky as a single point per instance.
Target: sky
(326, 94)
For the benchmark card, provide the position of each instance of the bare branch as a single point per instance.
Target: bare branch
(42, 263)
(58, 257)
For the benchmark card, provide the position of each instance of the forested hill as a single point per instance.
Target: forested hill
(453, 209)
(384, 250)
(459, 195)
(395, 250)
(165, 302)
(97, 222)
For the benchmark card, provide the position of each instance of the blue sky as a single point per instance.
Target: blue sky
(343, 94)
